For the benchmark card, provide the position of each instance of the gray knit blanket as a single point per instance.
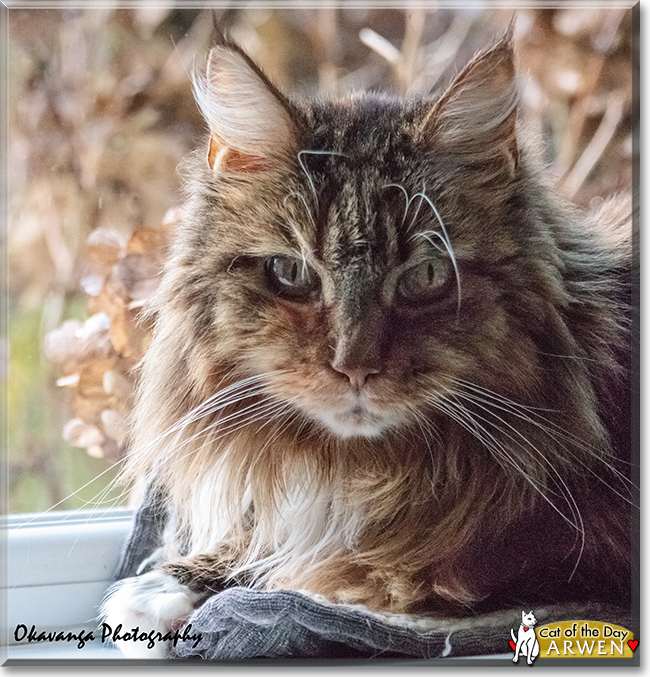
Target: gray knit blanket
(241, 623)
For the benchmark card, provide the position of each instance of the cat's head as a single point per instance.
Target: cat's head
(357, 254)
(528, 619)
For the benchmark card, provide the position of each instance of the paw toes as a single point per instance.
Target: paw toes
(147, 607)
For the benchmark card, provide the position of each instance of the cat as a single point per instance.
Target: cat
(390, 365)
(526, 642)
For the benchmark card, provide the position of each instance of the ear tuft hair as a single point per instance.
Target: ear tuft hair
(251, 124)
(476, 116)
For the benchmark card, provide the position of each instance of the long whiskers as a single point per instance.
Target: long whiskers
(444, 238)
(468, 420)
(484, 398)
(252, 387)
(429, 235)
(228, 396)
(527, 447)
(483, 413)
(215, 431)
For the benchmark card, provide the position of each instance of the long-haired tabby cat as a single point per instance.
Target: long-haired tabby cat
(390, 366)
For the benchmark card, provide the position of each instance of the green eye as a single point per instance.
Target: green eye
(425, 281)
(292, 278)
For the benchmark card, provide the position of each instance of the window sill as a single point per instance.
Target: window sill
(59, 565)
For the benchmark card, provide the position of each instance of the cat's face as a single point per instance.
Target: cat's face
(354, 315)
(350, 252)
(528, 619)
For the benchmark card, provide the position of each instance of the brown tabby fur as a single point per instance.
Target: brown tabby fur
(499, 474)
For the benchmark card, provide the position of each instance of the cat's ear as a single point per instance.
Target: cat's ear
(251, 126)
(476, 116)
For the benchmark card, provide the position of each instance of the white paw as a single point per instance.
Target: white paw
(149, 608)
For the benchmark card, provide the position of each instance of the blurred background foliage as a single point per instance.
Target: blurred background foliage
(100, 114)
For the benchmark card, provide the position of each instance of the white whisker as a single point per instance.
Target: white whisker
(407, 202)
(307, 174)
(220, 400)
(417, 211)
(526, 445)
(468, 421)
(554, 431)
(215, 433)
(444, 238)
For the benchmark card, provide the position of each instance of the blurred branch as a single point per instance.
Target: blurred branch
(380, 45)
(408, 64)
(328, 38)
(596, 147)
(57, 247)
(404, 62)
(602, 44)
(444, 50)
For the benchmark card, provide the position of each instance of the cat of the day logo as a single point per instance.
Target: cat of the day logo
(526, 642)
(570, 639)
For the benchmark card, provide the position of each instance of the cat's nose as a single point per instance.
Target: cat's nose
(357, 352)
(356, 373)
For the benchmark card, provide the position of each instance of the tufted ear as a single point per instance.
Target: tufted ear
(251, 124)
(475, 118)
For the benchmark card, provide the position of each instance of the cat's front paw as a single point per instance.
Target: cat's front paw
(147, 608)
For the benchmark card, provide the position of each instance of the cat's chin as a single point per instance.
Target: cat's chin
(355, 422)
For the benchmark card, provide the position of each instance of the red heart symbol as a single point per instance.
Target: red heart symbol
(513, 646)
(632, 643)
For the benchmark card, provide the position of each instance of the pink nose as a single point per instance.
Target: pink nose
(357, 374)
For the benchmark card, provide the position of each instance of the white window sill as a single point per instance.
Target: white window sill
(59, 565)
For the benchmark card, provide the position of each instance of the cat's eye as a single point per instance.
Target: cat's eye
(292, 278)
(425, 281)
